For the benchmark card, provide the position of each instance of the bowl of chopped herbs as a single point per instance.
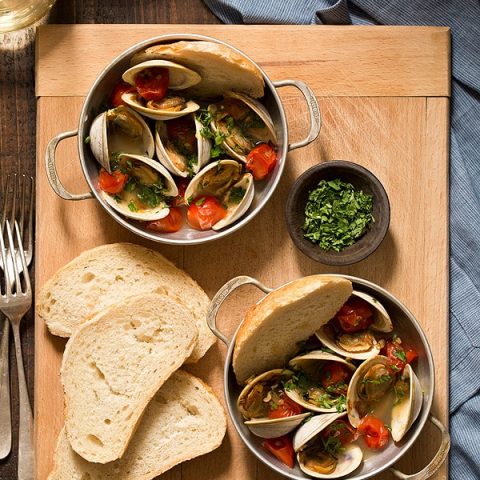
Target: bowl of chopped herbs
(338, 213)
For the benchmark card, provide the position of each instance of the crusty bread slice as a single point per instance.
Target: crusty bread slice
(272, 329)
(114, 364)
(221, 68)
(182, 421)
(105, 275)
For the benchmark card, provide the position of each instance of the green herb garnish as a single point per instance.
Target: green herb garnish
(86, 140)
(132, 206)
(378, 381)
(337, 215)
(236, 194)
(151, 195)
(401, 355)
(200, 201)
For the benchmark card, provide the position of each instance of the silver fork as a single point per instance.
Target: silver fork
(15, 302)
(12, 185)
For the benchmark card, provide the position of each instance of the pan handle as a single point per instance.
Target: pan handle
(437, 460)
(222, 294)
(313, 109)
(51, 169)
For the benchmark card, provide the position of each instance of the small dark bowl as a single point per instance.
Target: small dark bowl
(361, 179)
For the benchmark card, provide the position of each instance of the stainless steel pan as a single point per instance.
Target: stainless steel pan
(406, 326)
(95, 101)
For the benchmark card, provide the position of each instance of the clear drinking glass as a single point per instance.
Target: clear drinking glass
(16, 14)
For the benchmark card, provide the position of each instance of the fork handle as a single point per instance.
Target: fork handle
(5, 412)
(25, 423)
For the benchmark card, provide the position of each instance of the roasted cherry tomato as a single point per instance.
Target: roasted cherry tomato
(261, 160)
(335, 377)
(374, 431)
(282, 448)
(342, 430)
(397, 356)
(411, 354)
(182, 185)
(119, 90)
(112, 183)
(204, 212)
(181, 131)
(285, 408)
(355, 315)
(152, 83)
(171, 223)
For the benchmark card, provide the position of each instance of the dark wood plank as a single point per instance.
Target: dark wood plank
(18, 116)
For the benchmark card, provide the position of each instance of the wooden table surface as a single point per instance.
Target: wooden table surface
(18, 114)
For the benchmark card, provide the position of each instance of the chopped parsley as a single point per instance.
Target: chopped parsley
(337, 215)
(400, 354)
(132, 206)
(378, 381)
(150, 195)
(236, 194)
(86, 140)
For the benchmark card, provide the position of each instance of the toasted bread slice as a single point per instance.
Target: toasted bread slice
(273, 328)
(182, 421)
(221, 68)
(104, 276)
(114, 364)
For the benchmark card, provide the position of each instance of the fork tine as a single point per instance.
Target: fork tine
(3, 252)
(29, 234)
(5, 185)
(11, 251)
(21, 220)
(24, 262)
(14, 198)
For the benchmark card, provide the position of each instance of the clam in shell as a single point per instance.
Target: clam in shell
(253, 407)
(120, 129)
(310, 365)
(226, 181)
(360, 345)
(310, 455)
(150, 173)
(370, 385)
(177, 158)
(408, 403)
(171, 106)
(243, 122)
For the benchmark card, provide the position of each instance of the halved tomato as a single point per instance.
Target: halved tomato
(171, 223)
(261, 160)
(112, 183)
(282, 448)
(375, 432)
(355, 315)
(286, 407)
(152, 83)
(204, 212)
(118, 91)
(335, 376)
(341, 430)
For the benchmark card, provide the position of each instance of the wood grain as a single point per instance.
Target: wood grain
(402, 140)
(340, 61)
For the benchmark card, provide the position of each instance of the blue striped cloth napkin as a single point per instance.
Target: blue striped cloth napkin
(463, 16)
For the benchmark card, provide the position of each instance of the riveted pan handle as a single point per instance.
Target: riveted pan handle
(222, 294)
(51, 169)
(437, 460)
(313, 109)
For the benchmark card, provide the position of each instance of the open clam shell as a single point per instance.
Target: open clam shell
(347, 460)
(242, 127)
(310, 363)
(120, 129)
(360, 345)
(265, 427)
(143, 166)
(175, 160)
(406, 410)
(370, 385)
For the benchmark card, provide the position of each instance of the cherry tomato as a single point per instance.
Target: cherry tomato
(118, 91)
(282, 448)
(342, 430)
(152, 83)
(286, 408)
(374, 431)
(355, 315)
(261, 160)
(171, 223)
(181, 131)
(335, 376)
(182, 185)
(112, 183)
(411, 354)
(204, 212)
(397, 356)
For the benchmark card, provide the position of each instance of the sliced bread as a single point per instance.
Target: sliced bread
(182, 421)
(114, 364)
(221, 68)
(272, 329)
(103, 276)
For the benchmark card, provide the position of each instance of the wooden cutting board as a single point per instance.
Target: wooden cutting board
(384, 97)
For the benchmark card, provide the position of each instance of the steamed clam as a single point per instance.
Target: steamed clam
(324, 447)
(243, 123)
(119, 130)
(320, 382)
(267, 411)
(225, 181)
(358, 343)
(147, 189)
(165, 75)
(180, 147)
